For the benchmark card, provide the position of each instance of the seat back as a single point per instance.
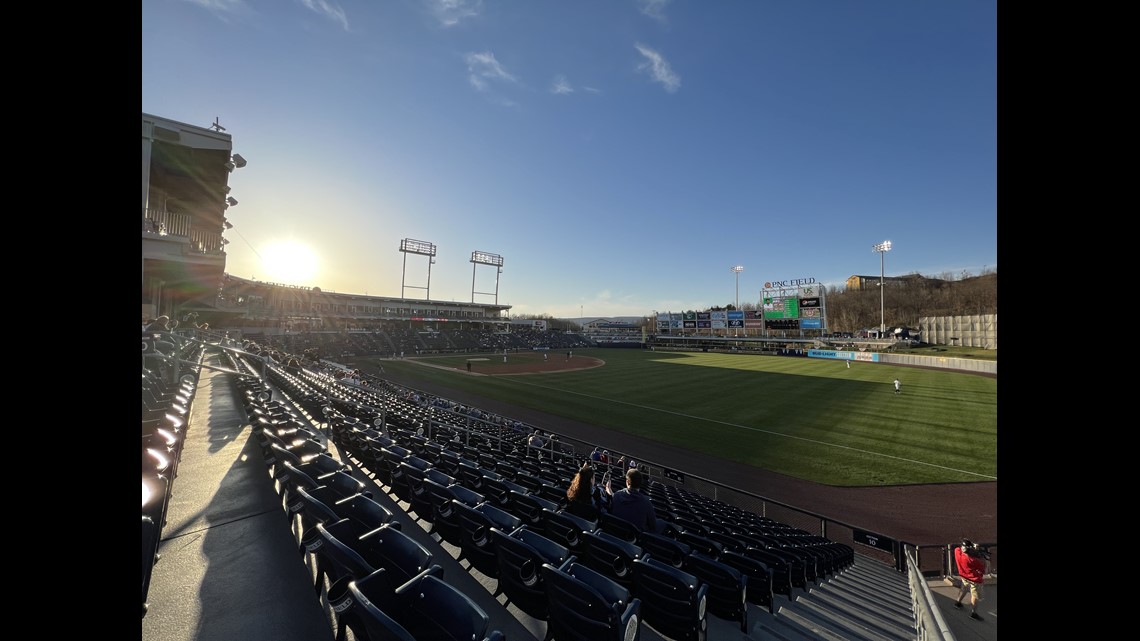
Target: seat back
(673, 601)
(398, 553)
(338, 559)
(728, 587)
(345, 483)
(567, 529)
(759, 578)
(619, 527)
(432, 609)
(584, 605)
(312, 507)
(367, 615)
(498, 491)
(611, 556)
(701, 543)
(476, 544)
(529, 507)
(521, 555)
(665, 549)
(365, 513)
(781, 569)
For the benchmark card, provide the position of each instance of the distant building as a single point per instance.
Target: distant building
(855, 283)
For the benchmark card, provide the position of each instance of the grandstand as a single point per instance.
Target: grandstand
(282, 502)
(249, 442)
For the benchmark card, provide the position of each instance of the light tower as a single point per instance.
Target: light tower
(737, 270)
(882, 248)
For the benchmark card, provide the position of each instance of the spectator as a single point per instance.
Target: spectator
(596, 455)
(536, 440)
(584, 499)
(631, 504)
(971, 561)
(160, 324)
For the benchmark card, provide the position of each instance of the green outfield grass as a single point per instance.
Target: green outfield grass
(809, 418)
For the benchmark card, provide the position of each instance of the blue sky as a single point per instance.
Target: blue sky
(620, 155)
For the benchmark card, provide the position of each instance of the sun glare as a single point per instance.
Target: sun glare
(290, 263)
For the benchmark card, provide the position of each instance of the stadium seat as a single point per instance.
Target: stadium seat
(782, 580)
(476, 545)
(566, 529)
(611, 556)
(759, 578)
(619, 527)
(521, 555)
(665, 549)
(674, 602)
(700, 543)
(728, 587)
(365, 513)
(401, 556)
(529, 508)
(364, 611)
(585, 605)
(428, 608)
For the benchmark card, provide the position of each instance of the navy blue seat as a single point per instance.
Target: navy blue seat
(611, 556)
(759, 578)
(728, 587)
(428, 608)
(674, 602)
(521, 555)
(476, 544)
(585, 605)
(567, 529)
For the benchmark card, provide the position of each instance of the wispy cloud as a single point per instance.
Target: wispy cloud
(658, 68)
(329, 10)
(482, 68)
(591, 89)
(221, 8)
(450, 12)
(653, 8)
(560, 85)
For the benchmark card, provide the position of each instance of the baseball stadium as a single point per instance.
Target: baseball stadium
(322, 465)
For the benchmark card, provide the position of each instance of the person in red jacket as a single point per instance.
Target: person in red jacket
(971, 561)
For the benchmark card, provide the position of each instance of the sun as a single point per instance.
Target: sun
(289, 262)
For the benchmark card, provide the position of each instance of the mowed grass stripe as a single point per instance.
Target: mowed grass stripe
(809, 418)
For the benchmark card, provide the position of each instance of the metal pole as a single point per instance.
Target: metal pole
(882, 301)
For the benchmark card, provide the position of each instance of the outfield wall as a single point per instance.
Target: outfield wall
(917, 360)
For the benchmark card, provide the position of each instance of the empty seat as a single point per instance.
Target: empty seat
(700, 543)
(584, 605)
(782, 574)
(445, 522)
(759, 578)
(618, 527)
(476, 544)
(337, 560)
(674, 602)
(428, 608)
(611, 556)
(521, 555)
(403, 557)
(529, 508)
(665, 549)
(566, 529)
(728, 587)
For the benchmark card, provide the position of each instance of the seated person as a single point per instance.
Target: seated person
(584, 499)
(633, 505)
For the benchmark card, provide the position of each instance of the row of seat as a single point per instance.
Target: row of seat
(716, 555)
(165, 415)
(378, 582)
